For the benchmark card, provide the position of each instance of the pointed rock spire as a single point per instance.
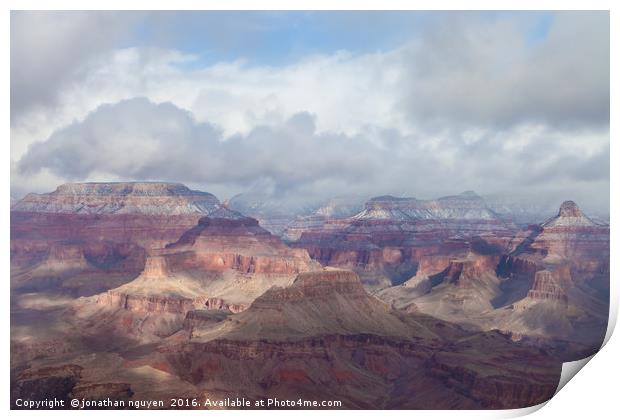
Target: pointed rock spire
(569, 215)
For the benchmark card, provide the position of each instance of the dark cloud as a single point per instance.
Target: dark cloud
(138, 139)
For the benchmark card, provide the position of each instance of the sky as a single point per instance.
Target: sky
(310, 105)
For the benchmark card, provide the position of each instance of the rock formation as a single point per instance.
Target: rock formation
(384, 242)
(116, 224)
(551, 285)
(569, 236)
(152, 198)
(465, 206)
(324, 337)
(218, 264)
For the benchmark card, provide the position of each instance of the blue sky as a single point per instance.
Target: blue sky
(277, 38)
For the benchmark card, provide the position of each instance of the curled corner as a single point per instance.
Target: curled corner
(613, 317)
(614, 300)
(569, 370)
(520, 412)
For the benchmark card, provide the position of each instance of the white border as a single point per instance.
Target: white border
(312, 5)
(592, 395)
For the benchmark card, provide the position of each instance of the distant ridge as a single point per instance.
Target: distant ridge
(467, 205)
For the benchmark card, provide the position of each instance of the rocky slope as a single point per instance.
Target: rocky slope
(551, 285)
(316, 303)
(320, 338)
(455, 288)
(218, 264)
(76, 268)
(324, 337)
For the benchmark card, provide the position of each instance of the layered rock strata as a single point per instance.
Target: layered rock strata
(386, 241)
(112, 225)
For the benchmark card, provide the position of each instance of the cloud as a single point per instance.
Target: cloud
(48, 47)
(488, 102)
(137, 139)
(471, 71)
(235, 96)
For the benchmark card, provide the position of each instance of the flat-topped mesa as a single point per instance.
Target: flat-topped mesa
(570, 215)
(152, 198)
(125, 188)
(116, 216)
(465, 206)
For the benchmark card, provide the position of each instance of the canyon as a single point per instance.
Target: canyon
(553, 283)
(98, 231)
(385, 242)
(138, 290)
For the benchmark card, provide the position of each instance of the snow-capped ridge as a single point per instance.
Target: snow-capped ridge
(467, 205)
